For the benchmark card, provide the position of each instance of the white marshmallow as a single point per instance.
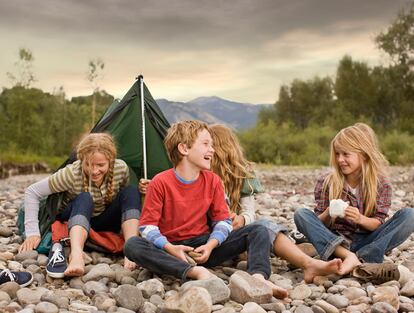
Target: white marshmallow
(337, 208)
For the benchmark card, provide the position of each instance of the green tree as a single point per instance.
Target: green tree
(94, 75)
(24, 76)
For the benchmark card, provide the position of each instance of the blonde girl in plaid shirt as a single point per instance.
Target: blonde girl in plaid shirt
(358, 176)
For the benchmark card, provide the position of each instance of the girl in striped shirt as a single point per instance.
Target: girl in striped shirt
(96, 195)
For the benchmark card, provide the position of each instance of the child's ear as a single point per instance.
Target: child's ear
(182, 148)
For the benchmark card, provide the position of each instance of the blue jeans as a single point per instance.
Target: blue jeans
(124, 206)
(368, 246)
(253, 238)
(273, 229)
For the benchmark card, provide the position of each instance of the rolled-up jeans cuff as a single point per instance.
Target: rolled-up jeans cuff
(80, 220)
(331, 246)
(130, 214)
(184, 276)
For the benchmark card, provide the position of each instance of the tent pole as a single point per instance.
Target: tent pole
(144, 141)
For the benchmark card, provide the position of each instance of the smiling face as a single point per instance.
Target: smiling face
(201, 152)
(96, 167)
(350, 163)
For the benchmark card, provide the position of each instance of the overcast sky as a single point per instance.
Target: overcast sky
(240, 50)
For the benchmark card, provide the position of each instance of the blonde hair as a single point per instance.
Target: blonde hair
(184, 132)
(103, 143)
(360, 139)
(229, 163)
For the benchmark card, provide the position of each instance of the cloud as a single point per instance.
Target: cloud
(240, 49)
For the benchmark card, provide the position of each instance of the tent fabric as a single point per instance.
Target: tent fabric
(122, 119)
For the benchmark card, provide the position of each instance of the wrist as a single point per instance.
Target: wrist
(212, 243)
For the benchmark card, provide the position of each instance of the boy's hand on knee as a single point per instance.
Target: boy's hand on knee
(178, 251)
(205, 251)
(30, 243)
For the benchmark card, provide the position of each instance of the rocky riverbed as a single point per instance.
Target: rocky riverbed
(107, 287)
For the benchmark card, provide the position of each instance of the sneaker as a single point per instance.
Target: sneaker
(298, 237)
(22, 278)
(57, 265)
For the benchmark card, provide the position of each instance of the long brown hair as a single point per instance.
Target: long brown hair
(360, 139)
(229, 163)
(103, 143)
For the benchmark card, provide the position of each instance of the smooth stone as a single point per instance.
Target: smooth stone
(300, 292)
(30, 296)
(56, 298)
(78, 306)
(129, 297)
(251, 307)
(383, 307)
(408, 289)
(274, 306)
(26, 255)
(191, 300)
(103, 302)
(46, 307)
(246, 288)
(352, 293)
(363, 307)
(148, 307)
(406, 307)
(338, 301)
(387, 294)
(11, 288)
(217, 289)
(328, 308)
(92, 288)
(151, 287)
(98, 272)
(5, 231)
(348, 282)
(4, 296)
(303, 309)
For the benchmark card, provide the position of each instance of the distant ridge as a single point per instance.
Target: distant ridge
(212, 110)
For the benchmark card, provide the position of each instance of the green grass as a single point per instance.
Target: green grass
(23, 158)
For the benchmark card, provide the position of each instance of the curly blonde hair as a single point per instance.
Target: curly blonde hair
(229, 163)
(360, 139)
(103, 143)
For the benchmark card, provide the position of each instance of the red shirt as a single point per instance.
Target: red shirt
(180, 210)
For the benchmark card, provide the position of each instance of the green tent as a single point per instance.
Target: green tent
(124, 120)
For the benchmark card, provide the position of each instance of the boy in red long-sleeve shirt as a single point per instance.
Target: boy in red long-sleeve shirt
(178, 206)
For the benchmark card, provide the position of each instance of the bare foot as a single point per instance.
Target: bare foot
(199, 273)
(76, 265)
(278, 292)
(321, 268)
(129, 265)
(349, 263)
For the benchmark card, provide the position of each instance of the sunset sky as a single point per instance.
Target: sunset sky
(238, 50)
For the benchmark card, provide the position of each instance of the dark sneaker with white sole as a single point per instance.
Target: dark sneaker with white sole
(298, 237)
(22, 278)
(57, 265)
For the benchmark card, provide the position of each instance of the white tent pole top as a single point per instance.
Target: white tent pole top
(144, 141)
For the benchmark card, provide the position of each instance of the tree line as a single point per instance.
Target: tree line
(297, 129)
(308, 113)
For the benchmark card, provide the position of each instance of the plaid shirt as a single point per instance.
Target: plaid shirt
(344, 226)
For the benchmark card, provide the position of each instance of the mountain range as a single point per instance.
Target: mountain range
(212, 110)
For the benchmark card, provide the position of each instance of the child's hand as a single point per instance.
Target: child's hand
(238, 222)
(353, 214)
(30, 243)
(143, 185)
(205, 251)
(178, 251)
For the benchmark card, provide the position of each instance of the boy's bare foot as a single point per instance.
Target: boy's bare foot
(76, 265)
(349, 263)
(199, 273)
(278, 292)
(321, 268)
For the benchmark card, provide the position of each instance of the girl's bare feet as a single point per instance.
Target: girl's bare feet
(321, 268)
(76, 265)
(278, 292)
(349, 263)
(199, 273)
